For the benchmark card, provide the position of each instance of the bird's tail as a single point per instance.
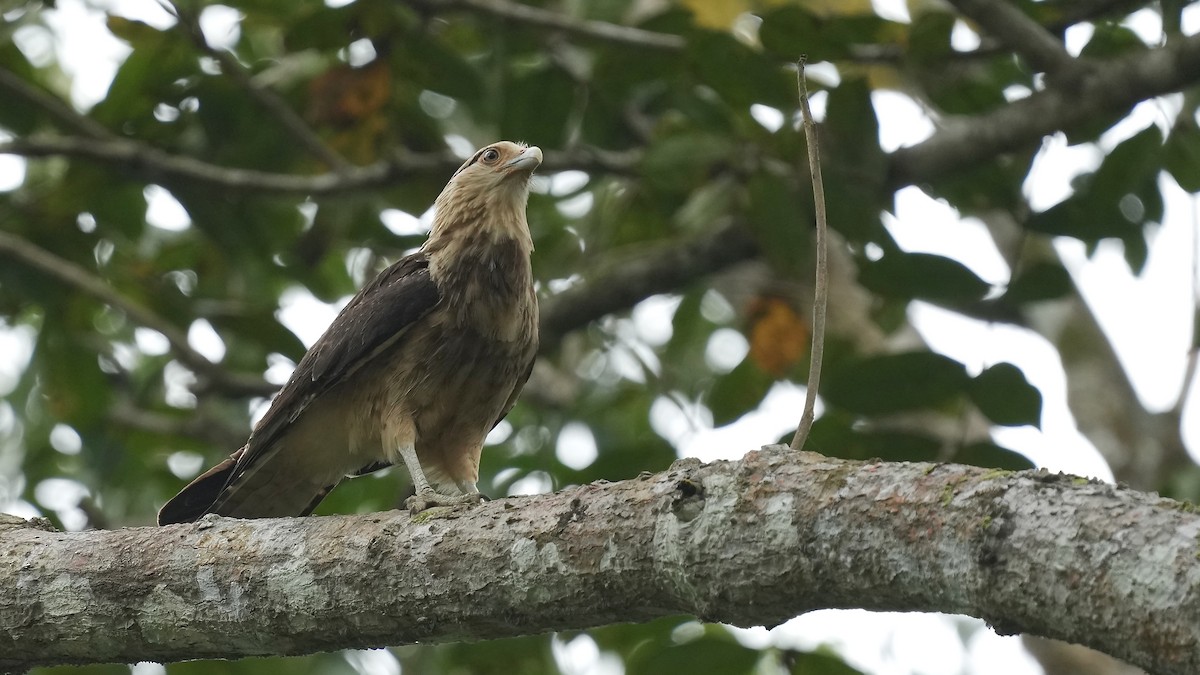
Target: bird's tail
(198, 497)
(266, 487)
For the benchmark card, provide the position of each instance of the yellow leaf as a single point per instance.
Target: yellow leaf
(344, 96)
(778, 335)
(717, 14)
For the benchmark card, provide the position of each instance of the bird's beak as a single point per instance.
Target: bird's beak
(528, 160)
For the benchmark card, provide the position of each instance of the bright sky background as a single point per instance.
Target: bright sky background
(1148, 319)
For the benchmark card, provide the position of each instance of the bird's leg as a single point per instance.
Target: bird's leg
(426, 497)
(408, 453)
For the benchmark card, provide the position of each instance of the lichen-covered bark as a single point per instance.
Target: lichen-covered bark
(755, 541)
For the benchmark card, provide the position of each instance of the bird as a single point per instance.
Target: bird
(415, 370)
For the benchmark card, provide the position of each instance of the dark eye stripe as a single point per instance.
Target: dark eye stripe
(471, 161)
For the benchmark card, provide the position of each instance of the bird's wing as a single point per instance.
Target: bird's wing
(373, 321)
(516, 392)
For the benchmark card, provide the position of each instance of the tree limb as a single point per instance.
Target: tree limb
(1021, 34)
(659, 270)
(541, 18)
(750, 542)
(1116, 85)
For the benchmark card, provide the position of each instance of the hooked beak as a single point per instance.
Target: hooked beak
(528, 160)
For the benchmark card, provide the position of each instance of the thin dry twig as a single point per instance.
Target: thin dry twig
(821, 293)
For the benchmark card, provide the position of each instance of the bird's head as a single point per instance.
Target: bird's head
(489, 190)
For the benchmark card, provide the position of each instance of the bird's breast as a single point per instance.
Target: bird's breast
(487, 287)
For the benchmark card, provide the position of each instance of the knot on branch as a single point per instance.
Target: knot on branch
(688, 501)
(16, 522)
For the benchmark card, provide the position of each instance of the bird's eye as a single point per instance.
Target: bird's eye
(490, 155)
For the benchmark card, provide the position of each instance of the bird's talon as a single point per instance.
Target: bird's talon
(427, 500)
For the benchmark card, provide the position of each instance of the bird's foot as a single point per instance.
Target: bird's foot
(427, 499)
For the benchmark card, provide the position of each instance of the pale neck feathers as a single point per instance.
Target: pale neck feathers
(480, 201)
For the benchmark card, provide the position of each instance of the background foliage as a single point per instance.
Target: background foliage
(303, 147)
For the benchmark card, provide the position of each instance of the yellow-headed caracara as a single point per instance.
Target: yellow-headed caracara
(416, 370)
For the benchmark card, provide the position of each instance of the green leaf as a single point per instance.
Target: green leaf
(835, 434)
(923, 275)
(738, 392)
(929, 39)
(1181, 156)
(1135, 160)
(1003, 394)
(1115, 201)
(816, 663)
(705, 655)
(1040, 281)
(741, 75)
(989, 455)
(444, 70)
(17, 115)
(781, 219)
(854, 165)
(790, 31)
(554, 92)
(896, 382)
(1109, 40)
(680, 161)
(992, 185)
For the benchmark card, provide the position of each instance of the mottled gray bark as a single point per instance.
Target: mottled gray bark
(756, 541)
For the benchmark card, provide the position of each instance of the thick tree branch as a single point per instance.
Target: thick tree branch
(751, 542)
(1115, 85)
(1020, 33)
(659, 270)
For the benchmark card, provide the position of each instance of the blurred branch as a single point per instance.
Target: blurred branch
(541, 18)
(192, 425)
(154, 165)
(664, 268)
(59, 111)
(1119, 84)
(266, 98)
(76, 277)
(1112, 86)
(537, 17)
(750, 542)
(1020, 33)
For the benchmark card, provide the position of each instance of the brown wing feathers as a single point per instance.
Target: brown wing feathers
(373, 319)
(388, 379)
